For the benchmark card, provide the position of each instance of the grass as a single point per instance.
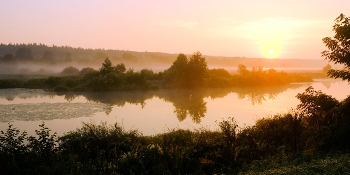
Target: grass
(329, 164)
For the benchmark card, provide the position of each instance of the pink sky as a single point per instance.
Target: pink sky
(293, 29)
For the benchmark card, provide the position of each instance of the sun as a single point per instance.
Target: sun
(271, 49)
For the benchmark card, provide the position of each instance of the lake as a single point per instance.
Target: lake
(153, 112)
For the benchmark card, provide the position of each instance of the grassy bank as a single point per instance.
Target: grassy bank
(148, 80)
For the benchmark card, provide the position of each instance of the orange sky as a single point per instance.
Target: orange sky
(292, 29)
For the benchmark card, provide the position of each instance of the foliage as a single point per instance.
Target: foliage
(68, 57)
(315, 102)
(185, 73)
(48, 57)
(21, 154)
(86, 70)
(328, 164)
(230, 131)
(339, 47)
(197, 70)
(12, 140)
(177, 73)
(8, 58)
(259, 77)
(98, 148)
(99, 56)
(219, 73)
(107, 67)
(70, 71)
(111, 77)
(24, 54)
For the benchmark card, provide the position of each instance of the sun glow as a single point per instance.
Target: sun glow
(271, 50)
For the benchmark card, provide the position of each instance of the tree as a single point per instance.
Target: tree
(129, 57)
(48, 56)
(107, 67)
(86, 70)
(24, 54)
(339, 48)
(188, 74)
(70, 71)
(8, 58)
(242, 69)
(68, 57)
(178, 70)
(220, 73)
(99, 56)
(197, 70)
(120, 68)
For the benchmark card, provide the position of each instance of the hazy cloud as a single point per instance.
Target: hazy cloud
(282, 28)
(180, 24)
(266, 29)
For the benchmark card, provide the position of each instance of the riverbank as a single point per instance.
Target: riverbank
(61, 83)
(184, 73)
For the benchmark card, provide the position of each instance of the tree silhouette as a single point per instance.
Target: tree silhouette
(70, 71)
(120, 68)
(48, 56)
(339, 48)
(197, 70)
(24, 54)
(107, 67)
(99, 56)
(68, 57)
(8, 58)
(178, 70)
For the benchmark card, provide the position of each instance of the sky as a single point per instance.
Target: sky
(279, 29)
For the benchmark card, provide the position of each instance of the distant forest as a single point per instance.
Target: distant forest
(41, 54)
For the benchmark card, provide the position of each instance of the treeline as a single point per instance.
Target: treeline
(56, 55)
(194, 72)
(40, 53)
(183, 73)
(107, 78)
(306, 140)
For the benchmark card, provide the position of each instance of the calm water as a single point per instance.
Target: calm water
(153, 112)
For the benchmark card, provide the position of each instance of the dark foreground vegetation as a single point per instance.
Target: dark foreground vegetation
(183, 73)
(312, 139)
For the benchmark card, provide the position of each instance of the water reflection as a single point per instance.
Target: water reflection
(11, 94)
(120, 98)
(258, 95)
(187, 103)
(48, 111)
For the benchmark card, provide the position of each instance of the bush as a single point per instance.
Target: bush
(70, 71)
(87, 70)
(61, 88)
